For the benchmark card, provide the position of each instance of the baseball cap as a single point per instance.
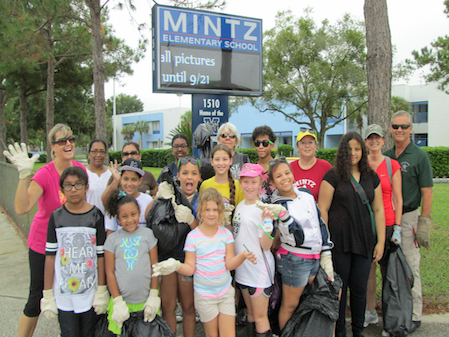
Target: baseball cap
(305, 132)
(251, 170)
(374, 128)
(133, 165)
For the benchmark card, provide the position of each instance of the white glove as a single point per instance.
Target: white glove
(19, 157)
(101, 300)
(165, 191)
(151, 306)
(228, 213)
(120, 311)
(48, 305)
(423, 232)
(396, 237)
(166, 267)
(326, 264)
(275, 208)
(183, 214)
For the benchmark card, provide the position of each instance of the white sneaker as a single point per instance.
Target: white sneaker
(385, 334)
(370, 318)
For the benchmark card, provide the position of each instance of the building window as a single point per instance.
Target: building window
(420, 112)
(421, 139)
(156, 127)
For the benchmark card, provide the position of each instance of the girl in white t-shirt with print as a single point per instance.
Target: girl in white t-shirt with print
(253, 233)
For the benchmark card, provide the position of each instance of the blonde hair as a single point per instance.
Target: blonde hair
(211, 194)
(64, 129)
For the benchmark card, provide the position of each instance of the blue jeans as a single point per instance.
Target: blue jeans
(296, 270)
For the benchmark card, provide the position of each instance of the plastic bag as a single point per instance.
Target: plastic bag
(134, 326)
(161, 218)
(101, 328)
(397, 300)
(318, 309)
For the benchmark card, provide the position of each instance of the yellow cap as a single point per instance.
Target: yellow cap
(301, 135)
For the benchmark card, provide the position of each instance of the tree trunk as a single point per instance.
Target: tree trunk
(378, 64)
(23, 116)
(2, 124)
(98, 68)
(50, 101)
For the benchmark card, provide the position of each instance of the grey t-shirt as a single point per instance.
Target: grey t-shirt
(132, 262)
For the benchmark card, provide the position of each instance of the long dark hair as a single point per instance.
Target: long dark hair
(342, 163)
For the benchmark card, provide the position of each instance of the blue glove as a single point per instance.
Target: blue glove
(396, 237)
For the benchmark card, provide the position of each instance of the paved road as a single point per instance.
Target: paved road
(14, 282)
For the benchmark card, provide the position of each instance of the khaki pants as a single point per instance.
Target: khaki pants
(413, 257)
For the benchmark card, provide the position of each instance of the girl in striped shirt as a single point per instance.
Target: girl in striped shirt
(209, 258)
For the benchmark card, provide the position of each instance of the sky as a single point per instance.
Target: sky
(414, 24)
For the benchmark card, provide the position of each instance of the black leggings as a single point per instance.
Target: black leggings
(37, 265)
(354, 270)
(77, 325)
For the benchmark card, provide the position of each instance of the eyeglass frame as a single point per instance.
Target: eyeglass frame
(263, 142)
(95, 152)
(81, 184)
(182, 146)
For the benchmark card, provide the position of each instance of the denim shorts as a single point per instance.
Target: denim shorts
(296, 270)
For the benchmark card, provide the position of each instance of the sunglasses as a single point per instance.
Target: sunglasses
(185, 160)
(264, 142)
(95, 152)
(402, 126)
(307, 130)
(132, 153)
(63, 141)
(68, 187)
(183, 147)
(230, 135)
(277, 160)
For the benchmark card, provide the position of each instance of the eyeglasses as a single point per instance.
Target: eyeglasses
(68, 187)
(100, 152)
(304, 143)
(182, 147)
(185, 160)
(63, 141)
(307, 130)
(230, 135)
(402, 126)
(264, 142)
(132, 153)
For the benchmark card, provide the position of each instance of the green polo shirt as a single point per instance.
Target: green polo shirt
(416, 174)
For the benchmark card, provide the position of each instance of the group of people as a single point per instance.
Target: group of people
(91, 250)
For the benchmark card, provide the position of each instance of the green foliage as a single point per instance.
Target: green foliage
(128, 132)
(285, 150)
(150, 158)
(311, 71)
(399, 103)
(43, 158)
(439, 158)
(185, 127)
(124, 104)
(326, 154)
(252, 154)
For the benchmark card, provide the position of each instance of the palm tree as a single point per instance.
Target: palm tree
(141, 127)
(128, 132)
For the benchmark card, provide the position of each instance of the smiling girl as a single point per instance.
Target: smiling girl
(131, 176)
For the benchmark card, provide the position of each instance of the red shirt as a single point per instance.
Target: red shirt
(385, 182)
(312, 177)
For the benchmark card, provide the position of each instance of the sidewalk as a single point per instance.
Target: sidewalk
(14, 283)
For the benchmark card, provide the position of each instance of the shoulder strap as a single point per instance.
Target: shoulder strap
(362, 194)
(389, 168)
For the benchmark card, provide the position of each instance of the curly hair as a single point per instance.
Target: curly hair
(264, 130)
(342, 163)
(116, 200)
(223, 147)
(211, 194)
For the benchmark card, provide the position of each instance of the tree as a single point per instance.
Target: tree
(312, 74)
(378, 64)
(399, 103)
(435, 57)
(128, 132)
(185, 127)
(124, 104)
(141, 127)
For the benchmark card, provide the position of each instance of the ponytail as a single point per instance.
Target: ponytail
(231, 188)
(116, 200)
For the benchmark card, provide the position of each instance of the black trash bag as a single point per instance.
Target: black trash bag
(135, 326)
(202, 138)
(101, 328)
(275, 303)
(317, 311)
(161, 218)
(397, 300)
